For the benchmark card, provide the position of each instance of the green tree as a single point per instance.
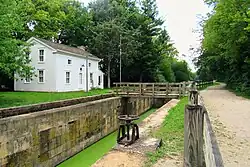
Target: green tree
(13, 51)
(109, 19)
(168, 52)
(167, 70)
(225, 47)
(149, 58)
(42, 18)
(77, 26)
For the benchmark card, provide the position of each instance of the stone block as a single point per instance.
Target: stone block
(10, 146)
(52, 133)
(59, 149)
(44, 163)
(52, 144)
(3, 127)
(3, 147)
(54, 160)
(58, 141)
(44, 157)
(28, 164)
(52, 153)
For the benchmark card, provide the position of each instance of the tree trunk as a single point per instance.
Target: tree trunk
(109, 62)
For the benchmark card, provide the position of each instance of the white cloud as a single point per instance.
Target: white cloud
(180, 20)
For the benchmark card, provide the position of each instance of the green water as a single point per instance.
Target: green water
(91, 154)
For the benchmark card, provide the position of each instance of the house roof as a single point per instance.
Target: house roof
(66, 48)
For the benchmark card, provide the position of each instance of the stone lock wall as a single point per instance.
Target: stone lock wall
(137, 105)
(48, 137)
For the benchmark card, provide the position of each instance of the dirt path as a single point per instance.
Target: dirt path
(121, 159)
(230, 116)
(176, 161)
(132, 159)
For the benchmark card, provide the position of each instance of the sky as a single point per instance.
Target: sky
(181, 19)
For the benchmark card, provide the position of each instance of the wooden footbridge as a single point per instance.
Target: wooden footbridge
(157, 90)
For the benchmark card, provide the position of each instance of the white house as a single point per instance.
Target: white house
(60, 68)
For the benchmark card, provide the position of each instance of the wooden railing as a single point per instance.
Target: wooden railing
(200, 145)
(158, 89)
(152, 89)
(202, 84)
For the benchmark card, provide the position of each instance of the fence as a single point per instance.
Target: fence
(200, 145)
(157, 89)
(202, 84)
(152, 89)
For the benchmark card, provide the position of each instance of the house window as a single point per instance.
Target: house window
(89, 64)
(41, 76)
(67, 77)
(99, 80)
(69, 61)
(41, 55)
(91, 78)
(80, 78)
(27, 80)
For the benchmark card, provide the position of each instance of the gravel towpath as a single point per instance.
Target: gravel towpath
(230, 117)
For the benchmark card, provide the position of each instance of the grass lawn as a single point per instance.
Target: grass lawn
(10, 99)
(90, 155)
(171, 133)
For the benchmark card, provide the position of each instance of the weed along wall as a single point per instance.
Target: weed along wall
(48, 137)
